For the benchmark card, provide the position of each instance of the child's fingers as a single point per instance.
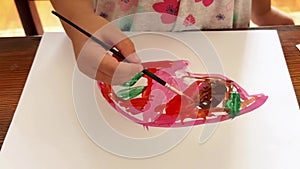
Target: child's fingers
(127, 48)
(113, 72)
(114, 37)
(125, 71)
(107, 69)
(95, 62)
(90, 58)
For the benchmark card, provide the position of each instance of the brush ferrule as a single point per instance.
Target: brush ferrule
(173, 89)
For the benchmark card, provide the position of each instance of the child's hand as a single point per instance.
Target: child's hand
(92, 59)
(97, 63)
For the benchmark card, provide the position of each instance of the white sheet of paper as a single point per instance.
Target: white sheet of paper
(46, 133)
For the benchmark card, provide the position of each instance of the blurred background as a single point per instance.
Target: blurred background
(11, 24)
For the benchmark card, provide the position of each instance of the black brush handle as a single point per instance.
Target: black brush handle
(104, 45)
(154, 77)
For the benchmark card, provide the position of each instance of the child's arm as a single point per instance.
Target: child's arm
(263, 14)
(92, 59)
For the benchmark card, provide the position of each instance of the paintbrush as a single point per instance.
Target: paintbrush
(117, 53)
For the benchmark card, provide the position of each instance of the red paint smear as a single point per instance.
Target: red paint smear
(172, 110)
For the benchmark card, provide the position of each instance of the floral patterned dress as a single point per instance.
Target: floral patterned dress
(175, 15)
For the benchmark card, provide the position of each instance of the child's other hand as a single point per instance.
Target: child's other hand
(272, 17)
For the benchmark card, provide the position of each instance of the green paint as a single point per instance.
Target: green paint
(234, 103)
(133, 80)
(129, 93)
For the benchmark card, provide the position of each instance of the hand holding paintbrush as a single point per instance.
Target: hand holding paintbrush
(93, 59)
(118, 54)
